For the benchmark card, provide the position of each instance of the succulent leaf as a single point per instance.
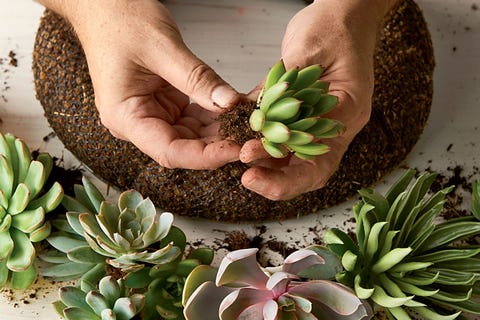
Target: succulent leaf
(274, 149)
(257, 119)
(324, 105)
(276, 132)
(23, 279)
(23, 252)
(289, 76)
(19, 200)
(275, 73)
(28, 221)
(272, 94)
(307, 76)
(312, 149)
(6, 172)
(283, 109)
(476, 199)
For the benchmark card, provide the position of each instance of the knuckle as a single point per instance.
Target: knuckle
(163, 160)
(199, 78)
(277, 194)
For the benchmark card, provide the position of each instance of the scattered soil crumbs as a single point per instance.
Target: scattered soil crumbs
(5, 67)
(19, 298)
(454, 207)
(13, 60)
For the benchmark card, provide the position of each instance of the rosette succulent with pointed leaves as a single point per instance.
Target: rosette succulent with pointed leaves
(406, 262)
(129, 232)
(126, 235)
(110, 301)
(241, 289)
(24, 201)
(289, 112)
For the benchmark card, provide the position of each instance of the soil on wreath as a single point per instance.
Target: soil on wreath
(401, 104)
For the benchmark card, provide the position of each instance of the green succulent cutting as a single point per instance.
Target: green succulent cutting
(289, 112)
(404, 261)
(24, 201)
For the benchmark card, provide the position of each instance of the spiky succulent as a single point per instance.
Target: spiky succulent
(406, 262)
(24, 201)
(110, 301)
(289, 112)
(163, 284)
(241, 289)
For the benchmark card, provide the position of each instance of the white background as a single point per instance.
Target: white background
(240, 39)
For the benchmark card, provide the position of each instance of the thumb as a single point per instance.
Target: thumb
(186, 72)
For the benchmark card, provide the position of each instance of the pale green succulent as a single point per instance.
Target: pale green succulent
(163, 284)
(404, 261)
(24, 201)
(129, 232)
(289, 112)
(298, 289)
(110, 301)
(126, 235)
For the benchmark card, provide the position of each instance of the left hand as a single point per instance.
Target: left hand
(340, 36)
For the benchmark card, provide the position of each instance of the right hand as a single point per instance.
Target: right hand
(143, 75)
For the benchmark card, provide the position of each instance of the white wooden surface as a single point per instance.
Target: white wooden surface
(241, 39)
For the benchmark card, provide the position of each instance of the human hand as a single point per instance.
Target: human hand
(340, 36)
(143, 75)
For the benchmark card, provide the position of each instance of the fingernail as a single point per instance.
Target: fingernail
(224, 96)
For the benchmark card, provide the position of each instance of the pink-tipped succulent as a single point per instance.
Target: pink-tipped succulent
(298, 289)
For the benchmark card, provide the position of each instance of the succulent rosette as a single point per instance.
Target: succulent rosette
(241, 289)
(24, 201)
(290, 112)
(126, 235)
(405, 261)
(110, 301)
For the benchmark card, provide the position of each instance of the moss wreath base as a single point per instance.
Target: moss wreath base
(404, 64)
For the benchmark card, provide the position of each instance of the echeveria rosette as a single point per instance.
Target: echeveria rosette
(24, 201)
(126, 235)
(129, 232)
(241, 289)
(111, 300)
(290, 111)
(404, 261)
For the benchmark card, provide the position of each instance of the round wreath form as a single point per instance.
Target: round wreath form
(400, 107)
